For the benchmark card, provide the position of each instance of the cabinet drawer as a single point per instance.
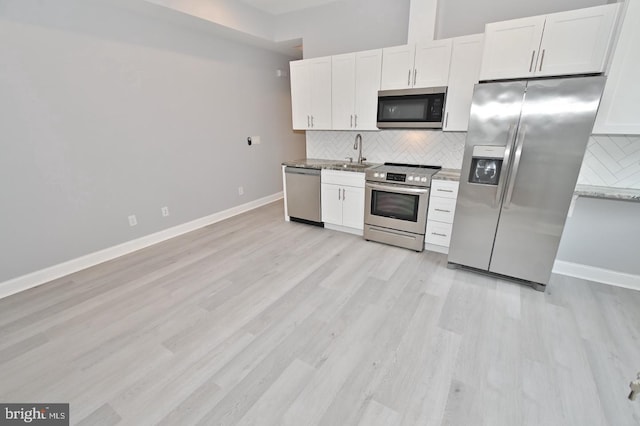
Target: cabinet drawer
(441, 209)
(337, 177)
(438, 233)
(444, 188)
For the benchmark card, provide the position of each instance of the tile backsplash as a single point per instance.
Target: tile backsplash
(610, 160)
(398, 146)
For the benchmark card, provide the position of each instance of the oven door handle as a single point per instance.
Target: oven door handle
(398, 189)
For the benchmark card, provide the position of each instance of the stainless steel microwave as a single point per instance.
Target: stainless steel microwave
(411, 108)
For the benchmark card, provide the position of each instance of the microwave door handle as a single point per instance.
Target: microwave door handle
(505, 163)
(516, 165)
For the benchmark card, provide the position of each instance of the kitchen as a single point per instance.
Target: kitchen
(452, 67)
(266, 321)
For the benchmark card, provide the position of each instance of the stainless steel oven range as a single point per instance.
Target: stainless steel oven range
(396, 200)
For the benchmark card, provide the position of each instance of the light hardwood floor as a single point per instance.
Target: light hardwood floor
(255, 321)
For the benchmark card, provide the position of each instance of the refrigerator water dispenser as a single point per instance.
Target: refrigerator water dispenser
(486, 164)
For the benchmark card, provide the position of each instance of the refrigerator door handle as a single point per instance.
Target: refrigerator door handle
(505, 162)
(516, 165)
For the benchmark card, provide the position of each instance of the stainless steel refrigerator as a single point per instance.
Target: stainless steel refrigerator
(524, 148)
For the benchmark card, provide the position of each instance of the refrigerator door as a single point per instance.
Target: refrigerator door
(556, 122)
(493, 122)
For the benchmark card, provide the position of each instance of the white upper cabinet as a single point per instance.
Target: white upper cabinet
(343, 88)
(510, 48)
(368, 70)
(619, 111)
(311, 93)
(463, 75)
(355, 85)
(414, 66)
(397, 67)
(431, 67)
(573, 42)
(300, 94)
(577, 42)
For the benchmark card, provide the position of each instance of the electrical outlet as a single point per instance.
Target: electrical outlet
(133, 221)
(165, 211)
(240, 190)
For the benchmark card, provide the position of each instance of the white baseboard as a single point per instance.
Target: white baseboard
(591, 273)
(42, 276)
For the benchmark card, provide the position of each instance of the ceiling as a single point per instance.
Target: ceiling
(277, 7)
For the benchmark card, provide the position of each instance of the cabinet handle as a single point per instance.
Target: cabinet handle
(437, 234)
(442, 210)
(541, 60)
(351, 122)
(415, 73)
(308, 122)
(446, 120)
(356, 116)
(338, 194)
(343, 197)
(444, 190)
(409, 78)
(312, 121)
(533, 55)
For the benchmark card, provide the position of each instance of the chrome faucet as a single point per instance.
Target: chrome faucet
(358, 145)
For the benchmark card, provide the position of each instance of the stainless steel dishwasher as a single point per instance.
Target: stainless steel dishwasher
(303, 195)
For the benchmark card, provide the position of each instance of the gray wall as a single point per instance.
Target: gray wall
(464, 17)
(346, 26)
(105, 113)
(604, 234)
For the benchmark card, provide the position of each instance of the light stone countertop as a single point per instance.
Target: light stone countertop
(608, 192)
(448, 174)
(317, 163)
(605, 192)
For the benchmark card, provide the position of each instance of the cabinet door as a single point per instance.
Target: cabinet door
(511, 48)
(368, 69)
(577, 42)
(353, 207)
(343, 91)
(331, 200)
(619, 112)
(300, 94)
(432, 64)
(463, 75)
(397, 67)
(320, 70)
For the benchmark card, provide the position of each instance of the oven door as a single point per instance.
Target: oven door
(396, 207)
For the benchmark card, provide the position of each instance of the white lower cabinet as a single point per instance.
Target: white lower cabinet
(343, 199)
(442, 206)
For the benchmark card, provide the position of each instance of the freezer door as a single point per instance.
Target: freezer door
(493, 122)
(556, 122)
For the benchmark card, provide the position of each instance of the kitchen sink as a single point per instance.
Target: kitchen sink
(354, 166)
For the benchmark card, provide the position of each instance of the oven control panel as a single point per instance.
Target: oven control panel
(415, 179)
